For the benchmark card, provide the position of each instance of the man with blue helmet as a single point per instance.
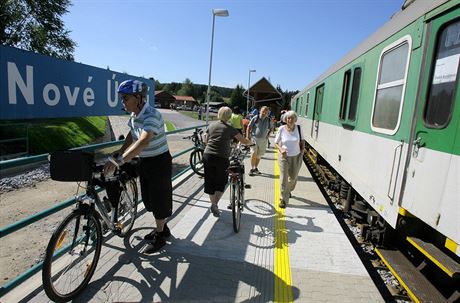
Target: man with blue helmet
(147, 139)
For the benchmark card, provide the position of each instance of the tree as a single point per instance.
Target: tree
(36, 25)
(286, 97)
(158, 85)
(237, 98)
(186, 88)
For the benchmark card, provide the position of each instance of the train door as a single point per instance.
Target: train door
(317, 108)
(433, 176)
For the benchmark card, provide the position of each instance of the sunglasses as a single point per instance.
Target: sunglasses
(125, 98)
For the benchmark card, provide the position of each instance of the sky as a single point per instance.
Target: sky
(289, 42)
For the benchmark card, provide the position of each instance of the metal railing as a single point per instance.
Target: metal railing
(4, 231)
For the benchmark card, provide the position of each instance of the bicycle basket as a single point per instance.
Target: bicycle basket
(71, 165)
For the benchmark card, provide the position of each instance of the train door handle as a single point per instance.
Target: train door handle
(417, 145)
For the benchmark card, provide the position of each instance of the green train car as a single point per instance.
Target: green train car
(385, 120)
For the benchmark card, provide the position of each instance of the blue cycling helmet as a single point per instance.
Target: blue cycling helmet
(132, 87)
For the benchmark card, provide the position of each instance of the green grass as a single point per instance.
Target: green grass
(169, 126)
(47, 135)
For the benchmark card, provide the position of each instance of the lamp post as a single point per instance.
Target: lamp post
(249, 85)
(219, 13)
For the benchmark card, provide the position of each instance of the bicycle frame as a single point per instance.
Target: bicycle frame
(94, 199)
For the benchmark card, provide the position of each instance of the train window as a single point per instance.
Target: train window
(345, 92)
(390, 87)
(300, 106)
(354, 94)
(319, 99)
(438, 110)
(307, 103)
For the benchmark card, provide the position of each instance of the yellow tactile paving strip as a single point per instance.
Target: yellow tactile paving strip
(283, 280)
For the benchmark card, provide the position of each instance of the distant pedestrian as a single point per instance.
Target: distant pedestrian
(290, 144)
(237, 119)
(282, 122)
(200, 113)
(258, 130)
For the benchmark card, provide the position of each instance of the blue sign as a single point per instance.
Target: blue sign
(38, 86)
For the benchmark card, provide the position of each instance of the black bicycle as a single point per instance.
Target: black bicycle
(237, 184)
(74, 249)
(196, 156)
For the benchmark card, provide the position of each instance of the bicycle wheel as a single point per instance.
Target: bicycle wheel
(72, 255)
(241, 195)
(127, 208)
(196, 162)
(235, 201)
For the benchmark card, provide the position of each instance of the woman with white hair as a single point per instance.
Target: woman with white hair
(290, 145)
(215, 157)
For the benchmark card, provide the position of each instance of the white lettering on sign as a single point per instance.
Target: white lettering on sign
(71, 96)
(446, 69)
(15, 79)
(113, 102)
(56, 95)
(88, 96)
(51, 92)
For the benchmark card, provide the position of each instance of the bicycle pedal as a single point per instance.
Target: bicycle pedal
(248, 186)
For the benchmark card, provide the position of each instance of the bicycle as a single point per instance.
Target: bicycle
(196, 156)
(74, 249)
(237, 184)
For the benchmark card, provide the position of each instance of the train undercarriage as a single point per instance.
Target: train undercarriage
(413, 251)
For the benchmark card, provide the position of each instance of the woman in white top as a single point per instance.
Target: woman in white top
(290, 145)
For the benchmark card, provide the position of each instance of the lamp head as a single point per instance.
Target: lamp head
(252, 70)
(220, 12)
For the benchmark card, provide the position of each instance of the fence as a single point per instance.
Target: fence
(8, 164)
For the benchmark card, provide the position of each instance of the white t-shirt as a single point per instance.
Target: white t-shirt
(288, 140)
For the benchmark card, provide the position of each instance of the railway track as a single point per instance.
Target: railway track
(389, 266)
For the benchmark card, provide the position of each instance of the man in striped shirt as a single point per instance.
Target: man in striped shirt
(147, 139)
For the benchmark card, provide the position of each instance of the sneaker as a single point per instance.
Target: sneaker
(157, 243)
(165, 233)
(214, 210)
(251, 172)
(282, 204)
(256, 171)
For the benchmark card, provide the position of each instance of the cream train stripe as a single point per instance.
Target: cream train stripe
(283, 289)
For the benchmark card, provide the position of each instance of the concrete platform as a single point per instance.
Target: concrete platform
(297, 254)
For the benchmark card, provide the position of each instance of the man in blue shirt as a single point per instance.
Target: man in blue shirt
(258, 130)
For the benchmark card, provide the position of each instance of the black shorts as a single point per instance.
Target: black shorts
(156, 186)
(215, 173)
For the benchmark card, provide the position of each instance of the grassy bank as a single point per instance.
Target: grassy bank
(47, 135)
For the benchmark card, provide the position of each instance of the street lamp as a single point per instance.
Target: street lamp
(249, 84)
(219, 13)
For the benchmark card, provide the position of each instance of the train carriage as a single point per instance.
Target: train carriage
(386, 120)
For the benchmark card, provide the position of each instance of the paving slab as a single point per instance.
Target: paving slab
(205, 261)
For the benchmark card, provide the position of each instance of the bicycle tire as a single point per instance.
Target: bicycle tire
(241, 201)
(127, 208)
(72, 255)
(196, 162)
(236, 210)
